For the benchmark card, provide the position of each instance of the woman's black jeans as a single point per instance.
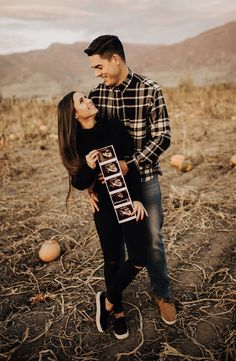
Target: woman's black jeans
(118, 275)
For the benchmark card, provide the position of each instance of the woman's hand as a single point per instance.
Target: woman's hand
(93, 200)
(139, 210)
(101, 178)
(91, 158)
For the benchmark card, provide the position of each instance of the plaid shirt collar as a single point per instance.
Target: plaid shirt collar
(122, 87)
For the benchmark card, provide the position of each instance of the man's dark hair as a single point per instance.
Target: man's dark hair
(106, 46)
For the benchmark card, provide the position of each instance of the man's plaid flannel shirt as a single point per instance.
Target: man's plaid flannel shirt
(138, 102)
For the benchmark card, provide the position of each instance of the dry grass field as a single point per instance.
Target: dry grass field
(47, 310)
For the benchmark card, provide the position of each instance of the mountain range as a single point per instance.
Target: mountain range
(207, 58)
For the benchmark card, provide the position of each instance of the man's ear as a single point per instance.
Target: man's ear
(116, 59)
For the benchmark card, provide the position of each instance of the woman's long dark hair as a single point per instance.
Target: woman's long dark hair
(68, 128)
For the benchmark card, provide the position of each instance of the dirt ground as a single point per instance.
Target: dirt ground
(199, 229)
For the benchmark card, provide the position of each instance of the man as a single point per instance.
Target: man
(138, 102)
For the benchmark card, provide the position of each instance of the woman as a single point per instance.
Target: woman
(81, 134)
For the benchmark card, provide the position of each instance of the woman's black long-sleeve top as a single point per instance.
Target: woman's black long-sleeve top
(104, 133)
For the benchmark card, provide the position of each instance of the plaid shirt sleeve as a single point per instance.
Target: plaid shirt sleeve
(159, 135)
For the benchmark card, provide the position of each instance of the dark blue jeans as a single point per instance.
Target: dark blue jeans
(156, 258)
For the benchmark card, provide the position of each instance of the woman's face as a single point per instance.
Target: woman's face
(84, 107)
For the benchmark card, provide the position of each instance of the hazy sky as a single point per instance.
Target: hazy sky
(35, 24)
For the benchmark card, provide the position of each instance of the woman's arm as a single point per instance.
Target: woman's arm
(84, 178)
(86, 175)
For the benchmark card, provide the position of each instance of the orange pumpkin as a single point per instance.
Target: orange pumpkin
(43, 129)
(233, 159)
(49, 250)
(186, 166)
(176, 160)
(180, 162)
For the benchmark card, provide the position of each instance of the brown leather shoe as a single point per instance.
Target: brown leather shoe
(167, 310)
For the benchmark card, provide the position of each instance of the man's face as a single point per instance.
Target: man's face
(108, 70)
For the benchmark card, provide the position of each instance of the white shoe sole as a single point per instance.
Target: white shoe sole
(169, 322)
(98, 312)
(122, 337)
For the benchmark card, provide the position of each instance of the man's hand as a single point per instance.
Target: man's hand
(123, 166)
(139, 210)
(93, 201)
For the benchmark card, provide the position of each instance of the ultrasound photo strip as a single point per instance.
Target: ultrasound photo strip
(115, 184)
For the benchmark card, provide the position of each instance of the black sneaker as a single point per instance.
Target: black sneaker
(120, 328)
(101, 312)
